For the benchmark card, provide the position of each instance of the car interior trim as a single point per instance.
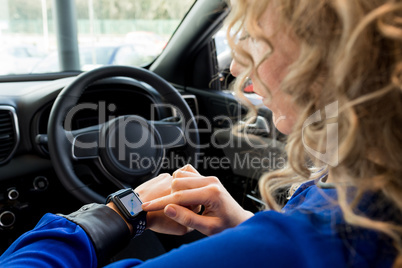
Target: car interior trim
(14, 121)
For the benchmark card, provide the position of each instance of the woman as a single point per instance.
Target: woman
(338, 58)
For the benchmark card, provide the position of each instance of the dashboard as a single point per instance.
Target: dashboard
(25, 108)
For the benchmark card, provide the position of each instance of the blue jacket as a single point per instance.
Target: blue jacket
(310, 232)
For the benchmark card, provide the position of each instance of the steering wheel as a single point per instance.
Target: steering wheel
(129, 148)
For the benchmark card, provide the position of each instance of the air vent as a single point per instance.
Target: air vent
(192, 102)
(9, 135)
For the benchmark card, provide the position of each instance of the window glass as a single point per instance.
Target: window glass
(130, 32)
(224, 59)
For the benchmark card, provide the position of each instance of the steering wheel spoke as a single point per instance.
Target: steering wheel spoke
(86, 146)
(171, 133)
(85, 142)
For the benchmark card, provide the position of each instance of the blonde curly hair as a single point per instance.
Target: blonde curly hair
(352, 52)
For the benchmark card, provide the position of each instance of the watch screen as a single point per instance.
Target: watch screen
(132, 203)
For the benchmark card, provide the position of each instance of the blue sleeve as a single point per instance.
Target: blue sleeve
(269, 239)
(54, 242)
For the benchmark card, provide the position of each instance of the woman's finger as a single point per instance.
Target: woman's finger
(190, 168)
(184, 174)
(186, 168)
(198, 196)
(154, 188)
(195, 208)
(186, 217)
(167, 225)
(180, 175)
(191, 182)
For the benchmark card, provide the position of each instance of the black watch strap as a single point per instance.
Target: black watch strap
(139, 222)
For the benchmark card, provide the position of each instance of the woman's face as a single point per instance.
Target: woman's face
(272, 71)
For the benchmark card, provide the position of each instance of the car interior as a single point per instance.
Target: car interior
(182, 101)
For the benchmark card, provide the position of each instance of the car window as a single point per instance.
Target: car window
(108, 32)
(224, 59)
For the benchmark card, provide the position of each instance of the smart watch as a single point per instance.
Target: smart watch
(129, 204)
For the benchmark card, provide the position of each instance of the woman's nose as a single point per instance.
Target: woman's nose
(234, 68)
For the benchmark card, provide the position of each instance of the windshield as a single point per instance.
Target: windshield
(43, 36)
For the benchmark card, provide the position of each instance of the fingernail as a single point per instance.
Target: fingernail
(144, 205)
(170, 212)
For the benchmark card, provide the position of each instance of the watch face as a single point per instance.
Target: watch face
(131, 202)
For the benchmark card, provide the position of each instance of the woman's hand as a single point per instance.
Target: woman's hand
(189, 190)
(157, 220)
